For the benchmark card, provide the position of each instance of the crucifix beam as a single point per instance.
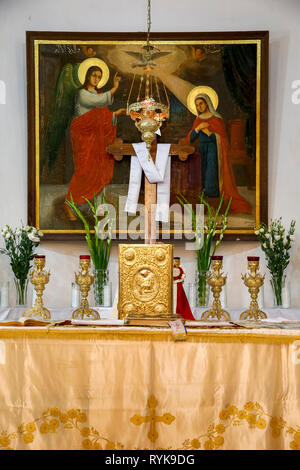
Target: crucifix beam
(119, 149)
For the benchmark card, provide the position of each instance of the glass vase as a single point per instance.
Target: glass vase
(281, 291)
(102, 288)
(202, 289)
(21, 286)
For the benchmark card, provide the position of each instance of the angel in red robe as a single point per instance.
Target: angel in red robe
(92, 130)
(216, 169)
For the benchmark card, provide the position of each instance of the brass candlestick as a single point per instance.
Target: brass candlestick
(253, 281)
(216, 280)
(84, 279)
(38, 277)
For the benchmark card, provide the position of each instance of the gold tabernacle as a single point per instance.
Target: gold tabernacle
(146, 284)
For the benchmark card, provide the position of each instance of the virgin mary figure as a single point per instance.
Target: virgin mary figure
(216, 170)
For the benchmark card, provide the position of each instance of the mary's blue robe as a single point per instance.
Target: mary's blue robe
(208, 150)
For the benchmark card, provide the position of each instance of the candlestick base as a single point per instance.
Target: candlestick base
(253, 313)
(216, 312)
(80, 313)
(41, 312)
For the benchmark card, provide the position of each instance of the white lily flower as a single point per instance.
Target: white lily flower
(256, 232)
(267, 235)
(32, 237)
(7, 236)
(261, 230)
(40, 234)
(264, 245)
(292, 237)
(271, 246)
(277, 237)
(27, 228)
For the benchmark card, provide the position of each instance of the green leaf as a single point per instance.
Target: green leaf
(99, 247)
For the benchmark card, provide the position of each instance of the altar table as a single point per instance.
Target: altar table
(137, 388)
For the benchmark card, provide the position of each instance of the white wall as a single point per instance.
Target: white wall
(281, 18)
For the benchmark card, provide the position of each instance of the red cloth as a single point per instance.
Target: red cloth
(238, 203)
(91, 133)
(182, 307)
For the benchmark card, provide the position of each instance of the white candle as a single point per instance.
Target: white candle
(223, 297)
(286, 296)
(174, 298)
(33, 297)
(107, 295)
(260, 298)
(75, 295)
(192, 295)
(114, 311)
(4, 294)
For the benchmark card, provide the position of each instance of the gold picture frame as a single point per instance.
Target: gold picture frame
(202, 59)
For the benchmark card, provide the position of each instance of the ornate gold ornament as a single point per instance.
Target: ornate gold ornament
(145, 283)
(38, 277)
(84, 279)
(216, 280)
(253, 281)
(152, 419)
(86, 64)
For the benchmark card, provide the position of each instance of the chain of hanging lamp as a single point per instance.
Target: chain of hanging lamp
(147, 113)
(148, 22)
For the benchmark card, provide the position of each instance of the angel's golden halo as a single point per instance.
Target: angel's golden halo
(87, 63)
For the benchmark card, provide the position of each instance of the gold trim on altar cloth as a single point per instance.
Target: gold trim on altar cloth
(251, 416)
(139, 334)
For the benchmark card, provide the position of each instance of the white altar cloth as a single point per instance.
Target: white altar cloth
(272, 313)
(65, 313)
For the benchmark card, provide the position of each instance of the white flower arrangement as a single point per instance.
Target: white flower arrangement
(276, 244)
(19, 246)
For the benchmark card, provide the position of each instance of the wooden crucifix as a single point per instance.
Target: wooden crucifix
(118, 149)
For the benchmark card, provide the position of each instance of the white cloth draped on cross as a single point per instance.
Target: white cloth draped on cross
(158, 172)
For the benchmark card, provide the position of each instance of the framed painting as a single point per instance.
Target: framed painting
(216, 89)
